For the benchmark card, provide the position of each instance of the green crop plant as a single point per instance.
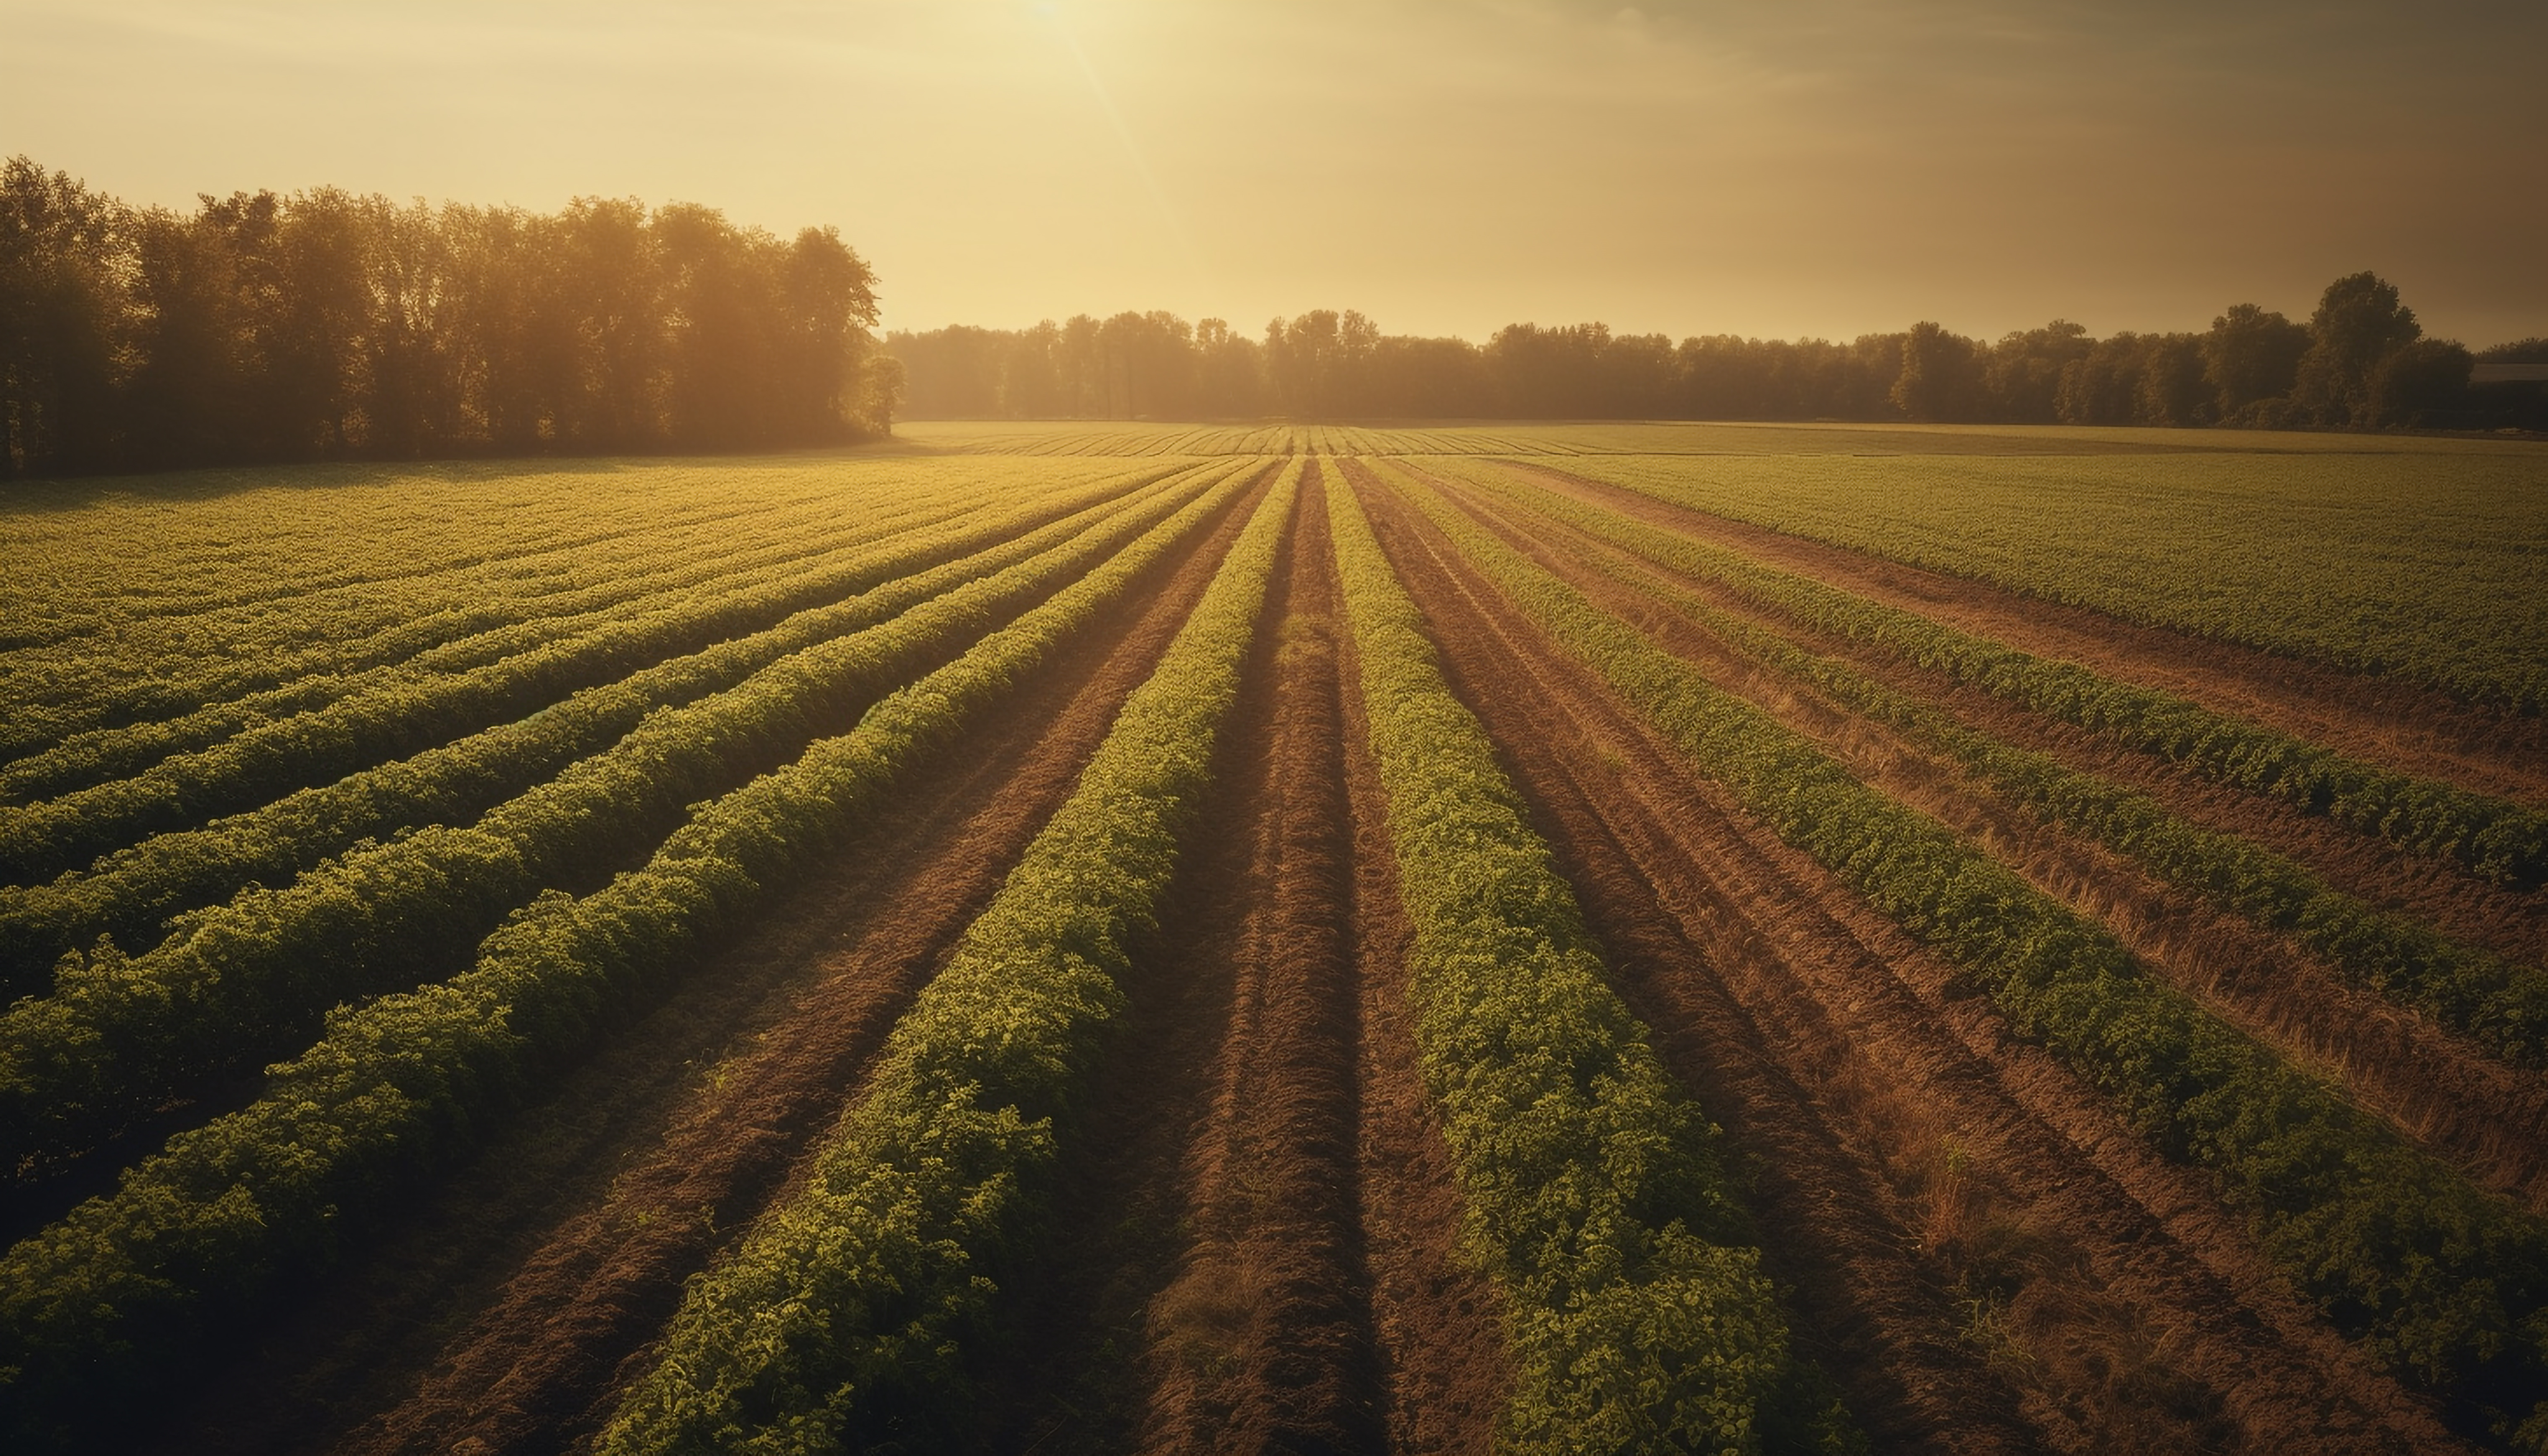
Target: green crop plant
(128, 895)
(134, 1284)
(2446, 1283)
(2500, 1004)
(842, 1319)
(2493, 838)
(399, 715)
(2262, 547)
(261, 596)
(1638, 1316)
(795, 557)
(237, 982)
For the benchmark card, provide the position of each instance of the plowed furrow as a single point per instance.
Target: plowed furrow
(2392, 722)
(2444, 1091)
(1440, 1321)
(501, 1317)
(1262, 1341)
(2112, 1288)
(1891, 1325)
(2510, 922)
(1204, 1283)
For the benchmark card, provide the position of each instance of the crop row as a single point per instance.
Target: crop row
(2500, 1004)
(844, 1317)
(1639, 1318)
(239, 983)
(435, 613)
(2496, 839)
(357, 732)
(131, 1286)
(129, 893)
(2444, 1281)
(399, 584)
(2412, 564)
(216, 552)
(455, 640)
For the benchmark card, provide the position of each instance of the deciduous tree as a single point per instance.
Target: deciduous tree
(2359, 320)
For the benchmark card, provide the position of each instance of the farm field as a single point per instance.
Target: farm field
(1094, 938)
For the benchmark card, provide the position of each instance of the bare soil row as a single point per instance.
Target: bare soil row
(2401, 725)
(1253, 1248)
(508, 1307)
(1993, 1258)
(2440, 1089)
(1253, 1244)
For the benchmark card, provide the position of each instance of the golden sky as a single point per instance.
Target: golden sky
(1811, 167)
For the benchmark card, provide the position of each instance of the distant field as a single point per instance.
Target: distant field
(2431, 564)
(1148, 936)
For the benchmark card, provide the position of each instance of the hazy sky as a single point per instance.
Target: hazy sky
(1807, 168)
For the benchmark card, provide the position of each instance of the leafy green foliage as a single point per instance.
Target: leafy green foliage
(130, 894)
(840, 1321)
(1639, 1318)
(2491, 837)
(132, 1285)
(228, 598)
(2405, 558)
(638, 570)
(2502, 1005)
(2446, 1283)
(397, 713)
(237, 982)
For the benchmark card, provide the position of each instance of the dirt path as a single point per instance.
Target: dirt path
(2398, 724)
(1974, 1204)
(1208, 1283)
(2442, 1090)
(498, 1317)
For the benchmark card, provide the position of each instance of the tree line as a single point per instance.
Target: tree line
(326, 325)
(2360, 361)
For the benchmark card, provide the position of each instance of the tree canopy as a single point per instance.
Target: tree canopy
(328, 325)
(2360, 363)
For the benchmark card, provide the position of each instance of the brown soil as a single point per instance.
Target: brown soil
(2444, 1091)
(2511, 922)
(1254, 1236)
(1213, 1277)
(1974, 1204)
(1440, 1322)
(2399, 725)
(503, 1314)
